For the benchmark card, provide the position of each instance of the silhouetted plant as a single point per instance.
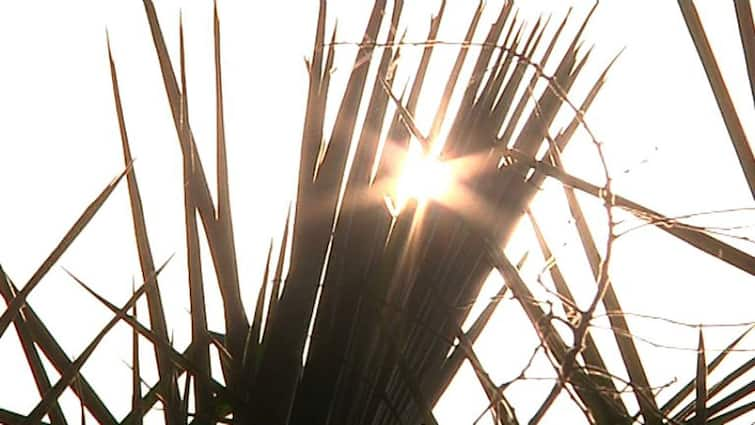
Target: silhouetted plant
(386, 290)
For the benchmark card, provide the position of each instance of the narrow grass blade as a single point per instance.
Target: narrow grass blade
(52, 350)
(532, 134)
(252, 347)
(314, 116)
(206, 207)
(398, 135)
(407, 118)
(201, 355)
(486, 98)
(445, 100)
(687, 389)
(494, 34)
(424, 62)
(20, 299)
(218, 340)
(278, 275)
(144, 250)
(82, 409)
(503, 412)
(225, 223)
(729, 416)
(147, 402)
(740, 394)
(181, 360)
(68, 377)
(564, 137)
(152, 396)
(185, 399)
(495, 99)
(453, 363)
(721, 93)
(227, 268)
(227, 274)
(701, 386)
(723, 384)
(507, 97)
(13, 418)
(496, 75)
(136, 376)
(333, 161)
(747, 35)
(224, 199)
(30, 351)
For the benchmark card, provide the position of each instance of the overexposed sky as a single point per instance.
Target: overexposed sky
(59, 146)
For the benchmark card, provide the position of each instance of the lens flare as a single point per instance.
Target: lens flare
(424, 177)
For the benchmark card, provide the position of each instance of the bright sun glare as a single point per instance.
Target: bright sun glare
(424, 177)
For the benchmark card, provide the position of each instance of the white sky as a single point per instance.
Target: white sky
(59, 145)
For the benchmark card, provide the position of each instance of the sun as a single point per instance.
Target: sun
(424, 177)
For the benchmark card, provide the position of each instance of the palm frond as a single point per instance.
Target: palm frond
(360, 318)
(19, 300)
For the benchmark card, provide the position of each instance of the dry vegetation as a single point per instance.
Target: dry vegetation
(393, 291)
